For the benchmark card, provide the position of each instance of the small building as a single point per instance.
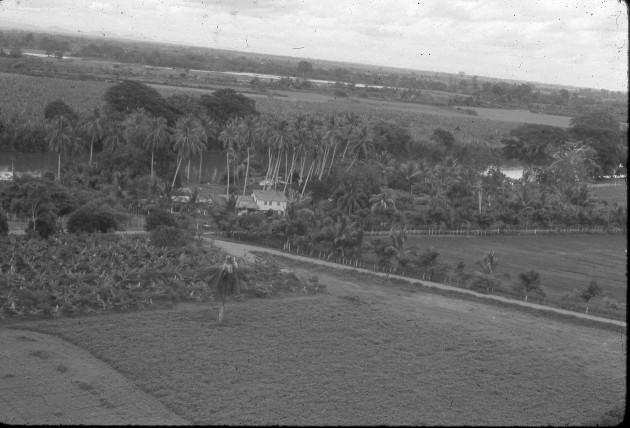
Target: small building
(270, 200)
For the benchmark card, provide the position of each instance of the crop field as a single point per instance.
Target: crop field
(359, 359)
(27, 96)
(565, 262)
(522, 116)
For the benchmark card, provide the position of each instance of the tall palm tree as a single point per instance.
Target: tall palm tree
(383, 201)
(94, 129)
(410, 172)
(156, 138)
(187, 137)
(211, 128)
(135, 126)
(249, 130)
(229, 137)
(362, 142)
(114, 137)
(59, 138)
(487, 277)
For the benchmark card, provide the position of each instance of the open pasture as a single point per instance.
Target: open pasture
(614, 191)
(565, 262)
(357, 359)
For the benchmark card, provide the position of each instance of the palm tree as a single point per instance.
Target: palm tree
(350, 199)
(229, 137)
(487, 277)
(94, 129)
(383, 201)
(409, 172)
(248, 134)
(396, 249)
(156, 138)
(210, 127)
(362, 142)
(59, 138)
(135, 126)
(187, 138)
(114, 137)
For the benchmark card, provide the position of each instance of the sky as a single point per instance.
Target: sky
(581, 43)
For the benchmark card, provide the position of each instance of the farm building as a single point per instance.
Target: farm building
(270, 200)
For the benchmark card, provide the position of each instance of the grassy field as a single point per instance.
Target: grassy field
(338, 360)
(565, 262)
(522, 116)
(614, 191)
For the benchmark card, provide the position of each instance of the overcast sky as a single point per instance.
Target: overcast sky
(574, 42)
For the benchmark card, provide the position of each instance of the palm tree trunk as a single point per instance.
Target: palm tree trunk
(268, 166)
(59, 166)
(200, 163)
(307, 177)
(227, 161)
(332, 159)
(91, 146)
(246, 172)
(188, 172)
(344, 150)
(352, 163)
(152, 164)
(179, 162)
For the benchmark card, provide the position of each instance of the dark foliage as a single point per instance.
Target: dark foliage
(129, 95)
(166, 236)
(89, 221)
(58, 108)
(159, 218)
(225, 104)
(45, 224)
(4, 224)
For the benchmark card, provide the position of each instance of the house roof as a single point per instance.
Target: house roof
(269, 195)
(246, 202)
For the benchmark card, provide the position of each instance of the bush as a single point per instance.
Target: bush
(166, 236)
(159, 218)
(4, 224)
(45, 224)
(591, 291)
(89, 221)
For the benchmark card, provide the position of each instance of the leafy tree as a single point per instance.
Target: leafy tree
(157, 218)
(87, 220)
(58, 108)
(593, 290)
(533, 144)
(530, 282)
(225, 104)
(45, 224)
(304, 68)
(602, 132)
(129, 95)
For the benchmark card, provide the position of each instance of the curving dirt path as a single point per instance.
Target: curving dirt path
(45, 380)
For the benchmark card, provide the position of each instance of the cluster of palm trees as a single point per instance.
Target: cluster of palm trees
(298, 149)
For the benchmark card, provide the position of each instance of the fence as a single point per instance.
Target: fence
(501, 231)
(448, 279)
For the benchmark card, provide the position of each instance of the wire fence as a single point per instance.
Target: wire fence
(446, 278)
(503, 231)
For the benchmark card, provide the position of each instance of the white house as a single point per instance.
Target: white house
(270, 200)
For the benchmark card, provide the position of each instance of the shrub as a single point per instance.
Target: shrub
(4, 224)
(89, 221)
(167, 236)
(159, 218)
(593, 289)
(45, 224)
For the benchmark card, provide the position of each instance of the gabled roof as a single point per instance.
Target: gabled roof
(246, 202)
(269, 195)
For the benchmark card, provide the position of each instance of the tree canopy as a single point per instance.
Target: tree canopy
(59, 108)
(129, 95)
(602, 132)
(533, 143)
(225, 104)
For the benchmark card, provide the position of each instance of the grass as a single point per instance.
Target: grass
(615, 191)
(565, 262)
(329, 360)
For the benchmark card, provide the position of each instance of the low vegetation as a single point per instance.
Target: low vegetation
(72, 275)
